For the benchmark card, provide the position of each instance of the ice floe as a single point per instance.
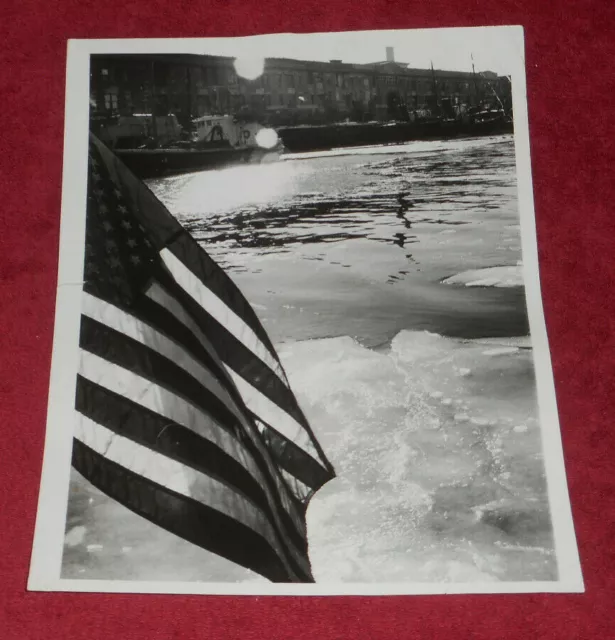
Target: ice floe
(511, 276)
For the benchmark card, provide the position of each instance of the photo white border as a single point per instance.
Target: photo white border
(45, 569)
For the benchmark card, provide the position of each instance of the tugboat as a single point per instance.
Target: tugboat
(153, 148)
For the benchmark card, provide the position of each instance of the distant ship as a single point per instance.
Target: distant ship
(153, 148)
(443, 120)
(304, 138)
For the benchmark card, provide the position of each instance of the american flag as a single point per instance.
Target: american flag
(184, 413)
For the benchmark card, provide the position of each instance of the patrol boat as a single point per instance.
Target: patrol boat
(216, 141)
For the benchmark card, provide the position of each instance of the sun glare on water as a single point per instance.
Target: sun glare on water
(250, 68)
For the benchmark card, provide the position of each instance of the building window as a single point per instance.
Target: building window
(111, 101)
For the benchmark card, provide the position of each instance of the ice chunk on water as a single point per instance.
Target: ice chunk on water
(521, 342)
(500, 351)
(510, 276)
(75, 536)
(517, 518)
(408, 474)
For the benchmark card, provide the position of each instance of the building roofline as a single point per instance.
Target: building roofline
(335, 65)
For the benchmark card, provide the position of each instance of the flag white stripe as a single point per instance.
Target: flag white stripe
(165, 403)
(218, 309)
(178, 478)
(256, 401)
(270, 413)
(161, 297)
(126, 324)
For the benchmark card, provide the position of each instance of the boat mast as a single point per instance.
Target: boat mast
(490, 85)
(189, 95)
(435, 87)
(478, 100)
(497, 97)
(153, 99)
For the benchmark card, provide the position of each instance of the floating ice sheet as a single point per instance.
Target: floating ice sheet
(511, 276)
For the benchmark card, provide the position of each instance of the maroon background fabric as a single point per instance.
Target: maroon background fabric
(571, 84)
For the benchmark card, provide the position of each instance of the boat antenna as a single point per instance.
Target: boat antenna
(475, 83)
(435, 84)
(495, 93)
(153, 83)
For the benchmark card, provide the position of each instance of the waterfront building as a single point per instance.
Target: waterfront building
(287, 92)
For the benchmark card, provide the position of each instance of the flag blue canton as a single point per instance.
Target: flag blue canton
(118, 256)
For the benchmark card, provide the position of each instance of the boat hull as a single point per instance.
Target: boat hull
(318, 138)
(157, 163)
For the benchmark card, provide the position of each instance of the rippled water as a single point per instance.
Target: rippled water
(421, 392)
(355, 242)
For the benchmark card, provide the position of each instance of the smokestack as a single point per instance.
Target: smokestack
(390, 54)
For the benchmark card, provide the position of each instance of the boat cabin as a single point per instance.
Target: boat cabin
(226, 129)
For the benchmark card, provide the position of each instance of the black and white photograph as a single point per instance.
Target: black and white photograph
(299, 341)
